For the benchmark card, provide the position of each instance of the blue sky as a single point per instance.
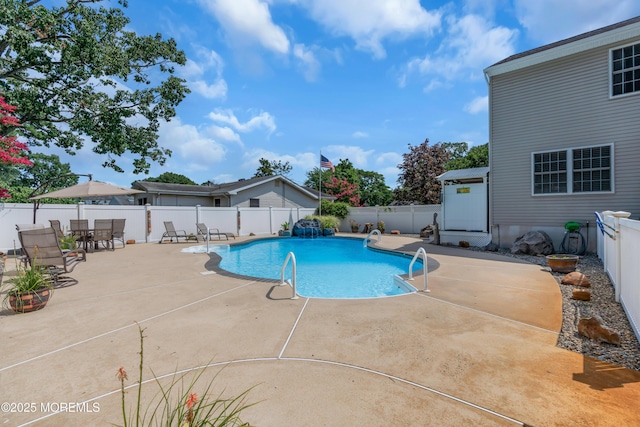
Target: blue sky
(355, 79)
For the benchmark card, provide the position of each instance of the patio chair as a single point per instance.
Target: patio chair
(80, 229)
(55, 224)
(172, 233)
(203, 230)
(103, 233)
(118, 231)
(42, 247)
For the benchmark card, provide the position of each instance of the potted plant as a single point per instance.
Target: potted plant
(285, 229)
(381, 226)
(68, 242)
(354, 226)
(562, 263)
(29, 290)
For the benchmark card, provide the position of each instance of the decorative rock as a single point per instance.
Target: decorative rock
(463, 244)
(492, 247)
(576, 279)
(394, 232)
(591, 327)
(131, 242)
(581, 294)
(533, 243)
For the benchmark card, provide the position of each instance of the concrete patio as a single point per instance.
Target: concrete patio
(479, 349)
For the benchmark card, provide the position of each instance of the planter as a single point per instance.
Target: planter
(562, 263)
(31, 301)
(284, 233)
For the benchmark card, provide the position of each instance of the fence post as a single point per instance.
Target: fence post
(81, 210)
(147, 220)
(198, 214)
(617, 216)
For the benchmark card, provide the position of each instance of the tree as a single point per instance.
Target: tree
(12, 151)
(171, 178)
(343, 191)
(272, 168)
(476, 157)
(46, 168)
(78, 74)
(419, 169)
(371, 188)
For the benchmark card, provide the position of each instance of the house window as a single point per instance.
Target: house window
(254, 203)
(217, 203)
(579, 170)
(625, 70)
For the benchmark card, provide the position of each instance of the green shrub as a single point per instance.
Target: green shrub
(326, 221)
(337, 209)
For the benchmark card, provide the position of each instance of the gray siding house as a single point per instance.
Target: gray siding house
(275, 191)
(564, 134)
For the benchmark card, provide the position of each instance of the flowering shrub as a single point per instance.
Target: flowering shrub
(12, 151)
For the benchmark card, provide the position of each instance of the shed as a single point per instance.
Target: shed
(465, 206)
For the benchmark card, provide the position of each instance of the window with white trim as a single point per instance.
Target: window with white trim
(625, 70)
(577, 170)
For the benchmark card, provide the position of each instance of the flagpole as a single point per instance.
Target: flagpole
(320, 185)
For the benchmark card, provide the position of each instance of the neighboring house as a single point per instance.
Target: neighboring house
(276, 191)
(564, 134)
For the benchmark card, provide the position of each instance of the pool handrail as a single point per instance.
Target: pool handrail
(374, 231)
(419, 252)
(290, 256)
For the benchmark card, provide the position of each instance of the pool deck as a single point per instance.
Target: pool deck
(478, 349)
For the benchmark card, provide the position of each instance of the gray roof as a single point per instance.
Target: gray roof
(464, 174)
(230, 188)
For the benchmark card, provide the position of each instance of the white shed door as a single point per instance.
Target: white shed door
(465, 207)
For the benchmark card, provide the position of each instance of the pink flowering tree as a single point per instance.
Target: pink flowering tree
(343, 191)
(12, 151)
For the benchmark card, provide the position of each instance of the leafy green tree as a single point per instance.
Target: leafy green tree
(338, 209)
(272, 168)
(420, 167)
(476, 157)
(77, 74)
(47, 168)
(171, 178)
(371, 188)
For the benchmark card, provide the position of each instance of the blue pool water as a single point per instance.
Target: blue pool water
(329, 267)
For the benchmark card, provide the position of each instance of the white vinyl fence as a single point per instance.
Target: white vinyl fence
(146, 223)
(406, 219)
(618, 247)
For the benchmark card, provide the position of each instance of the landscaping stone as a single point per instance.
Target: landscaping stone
(576, 278)
(581, 294)
(592, 328)
(533, 243)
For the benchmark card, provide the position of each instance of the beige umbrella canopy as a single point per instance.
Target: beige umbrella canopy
(87, 190)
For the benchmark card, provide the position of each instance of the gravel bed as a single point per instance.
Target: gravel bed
(602, 304)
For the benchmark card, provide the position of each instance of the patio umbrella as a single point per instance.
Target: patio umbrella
(87, 190)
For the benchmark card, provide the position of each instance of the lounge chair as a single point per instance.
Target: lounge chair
(172, 233)
(42, 247)
(203, 230)
(118, 231)
(103, 233)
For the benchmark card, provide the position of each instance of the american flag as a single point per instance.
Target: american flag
(326, 163)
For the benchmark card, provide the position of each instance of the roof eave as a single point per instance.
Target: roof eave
(617, 35)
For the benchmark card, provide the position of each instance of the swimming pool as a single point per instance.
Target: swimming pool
(330, 267)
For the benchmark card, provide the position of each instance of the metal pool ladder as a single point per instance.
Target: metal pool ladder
(375, 231)
(419, 252)
(290, 256)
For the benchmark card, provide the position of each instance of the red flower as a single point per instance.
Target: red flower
(193, 398)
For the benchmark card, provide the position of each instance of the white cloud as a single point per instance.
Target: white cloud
(224, 133)
(359, 134)
(570, 17)
(471, 44)
(477, 105)
(248, 22)
(210, 91)
(357, 155)
(195, 74)
(389, 158)
(192, 150)
(369, 22)
(263, 120)
(308, 62)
